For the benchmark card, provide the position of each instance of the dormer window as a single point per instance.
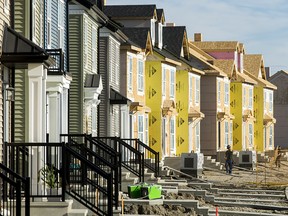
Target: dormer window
(153, 31)
(160, 35)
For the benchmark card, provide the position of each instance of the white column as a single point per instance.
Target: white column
(37, 76)
(37, 102)
(54, 116)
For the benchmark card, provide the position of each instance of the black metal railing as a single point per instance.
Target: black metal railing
(58, 68)
(14, 189)
(96, 192)
(98, 153)
(151, 157)
(131, 158)
(41, 162)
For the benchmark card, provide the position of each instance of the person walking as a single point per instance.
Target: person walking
(229, 160)
(278, 156)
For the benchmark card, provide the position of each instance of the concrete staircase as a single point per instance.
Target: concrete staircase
(211, 163)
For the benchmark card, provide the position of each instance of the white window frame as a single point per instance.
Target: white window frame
(140, 76)
(270, 101)
(163, 82)
(33, 21)
(226, 129)
(141, 127)
(197, 136)
(6, 6)
(130, 73)
(244, 96)
(197, 90)
(172, 134)
(270, 136)
(160, 33)
(190, 88)
(117, 62)
(172, 83)
(85, 41)
(153, 31)
(226, 98)
(219, 91)
(146, 129)
(94, 49)
(49, 24)
(250, 134)
(231, 133)
(61, 13)
(250, 105)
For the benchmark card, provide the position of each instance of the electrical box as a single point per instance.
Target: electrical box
(247, 159)
(192, 163)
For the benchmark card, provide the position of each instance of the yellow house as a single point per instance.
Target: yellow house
(263, 102)
(133, 54)
(160, 75)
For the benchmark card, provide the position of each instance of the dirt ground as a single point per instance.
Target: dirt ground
(265, 175)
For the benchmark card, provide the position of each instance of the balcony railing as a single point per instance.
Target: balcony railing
(58, 68)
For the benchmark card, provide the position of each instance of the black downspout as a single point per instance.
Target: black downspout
(68, 59)
(12, 21)
(31, 22)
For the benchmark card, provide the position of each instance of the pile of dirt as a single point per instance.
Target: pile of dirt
(165, 210)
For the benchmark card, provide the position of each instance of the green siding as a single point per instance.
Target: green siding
(20, 13)
(20, 106)
(75, 61)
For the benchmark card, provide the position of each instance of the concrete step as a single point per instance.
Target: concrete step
(77, 212)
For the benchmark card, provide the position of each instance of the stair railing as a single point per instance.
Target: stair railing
(151, 157)
(11, 192)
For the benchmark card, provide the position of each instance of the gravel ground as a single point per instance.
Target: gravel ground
(265, 176)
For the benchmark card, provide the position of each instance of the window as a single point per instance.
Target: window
(231, 133)
(250, 135)
(244, 97)
(163, 82)
(190, 88)
(61, 19)
(226, 99)
(226, 133)
(172, 83)
(33, 21)
(153, 31)
(141, 128)
(140, 76)
(160, 35)
(250, 98)
(172, 134)
(197, 136)
(265, 100)
(94, 49)
(130, 73)
(270, 136)
(270, 101)
(49, 23)
(85, 47)
(146, 130)
(219, 92)
(197, 92)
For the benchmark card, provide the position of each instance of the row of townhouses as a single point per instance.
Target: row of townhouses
(84, 67)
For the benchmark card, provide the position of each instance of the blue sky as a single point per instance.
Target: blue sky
(261, 25)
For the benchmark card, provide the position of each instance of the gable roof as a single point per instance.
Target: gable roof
(217, 45)
(260, 81)
(160, 16)
(253, 63)
(174, 38)
(130, 11)
(277, 74)
(139, 37)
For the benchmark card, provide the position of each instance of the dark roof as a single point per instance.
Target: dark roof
(129, 11)
(160, 13)
(18, 51)
(173, 37)
(138, 36)
(166, 54)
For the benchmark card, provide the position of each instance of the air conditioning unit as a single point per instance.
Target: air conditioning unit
(247, 159)
(192, 163)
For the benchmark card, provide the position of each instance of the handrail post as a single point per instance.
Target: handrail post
(64, 170)
(27, 196)
(18, 197)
